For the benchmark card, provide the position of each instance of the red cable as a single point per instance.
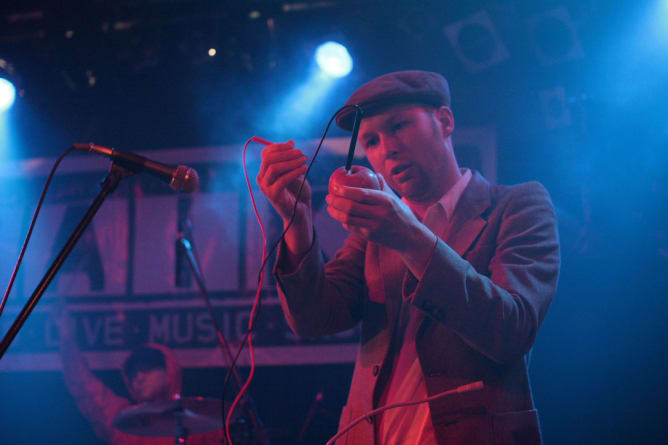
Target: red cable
(475, 386)
(251, 321)
(256, 303)
(30, 229)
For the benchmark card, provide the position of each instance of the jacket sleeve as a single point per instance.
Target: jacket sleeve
(96, 402)
(322, 300)
(498, 312)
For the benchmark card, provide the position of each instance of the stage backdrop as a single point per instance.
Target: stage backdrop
(120, 283)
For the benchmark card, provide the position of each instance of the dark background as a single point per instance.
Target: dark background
(579, 103)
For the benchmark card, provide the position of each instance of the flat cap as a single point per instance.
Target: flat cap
(421, 87)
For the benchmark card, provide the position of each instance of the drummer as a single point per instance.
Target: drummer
(151, 374)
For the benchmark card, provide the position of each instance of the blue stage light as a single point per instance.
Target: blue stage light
(664, 16)
(7, 94)
(334, 59)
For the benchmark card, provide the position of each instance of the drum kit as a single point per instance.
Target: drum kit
(179, 418)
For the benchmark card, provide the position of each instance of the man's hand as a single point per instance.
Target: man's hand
(281, 174)
(376, 215)
(382, 218)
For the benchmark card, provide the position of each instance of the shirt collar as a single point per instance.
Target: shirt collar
(449, 200)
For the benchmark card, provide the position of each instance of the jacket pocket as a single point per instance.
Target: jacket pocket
(516, 428)
(467, 427)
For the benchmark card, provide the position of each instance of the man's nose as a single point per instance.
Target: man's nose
(389, 146)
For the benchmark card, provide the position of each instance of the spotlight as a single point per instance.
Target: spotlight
(334, 59)
(7, 94)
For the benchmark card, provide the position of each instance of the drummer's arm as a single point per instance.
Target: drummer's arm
(97, 402)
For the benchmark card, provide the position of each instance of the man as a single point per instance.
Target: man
(450, 282)
(151, 374)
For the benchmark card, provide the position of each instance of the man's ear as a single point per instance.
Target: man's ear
(447, 119)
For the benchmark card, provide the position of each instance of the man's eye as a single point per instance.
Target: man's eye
(370, 143)
(399, 125)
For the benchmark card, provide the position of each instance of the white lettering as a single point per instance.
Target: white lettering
(227, 325)
(206, 332)
(158, 329)
(92, 332)
(241, 324)
(113, 331)
(184, 335)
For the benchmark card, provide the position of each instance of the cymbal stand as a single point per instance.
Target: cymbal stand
(181, 432)
(247, 401)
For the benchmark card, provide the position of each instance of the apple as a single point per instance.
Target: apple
(358, 176)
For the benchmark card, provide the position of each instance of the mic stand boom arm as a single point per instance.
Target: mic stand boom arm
(116, 173)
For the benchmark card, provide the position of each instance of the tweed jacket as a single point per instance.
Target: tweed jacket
(485, 293)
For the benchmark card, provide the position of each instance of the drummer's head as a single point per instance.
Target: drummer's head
(146, 372)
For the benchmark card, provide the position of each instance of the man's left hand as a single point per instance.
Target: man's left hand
(376, 215)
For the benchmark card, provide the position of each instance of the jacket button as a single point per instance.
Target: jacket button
(376, 370)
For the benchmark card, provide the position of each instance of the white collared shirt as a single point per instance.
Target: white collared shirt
(449, 200)
(412, 425)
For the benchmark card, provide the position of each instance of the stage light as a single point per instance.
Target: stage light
(7, 94)
(212, 52)
(663, 19)
(334, 59)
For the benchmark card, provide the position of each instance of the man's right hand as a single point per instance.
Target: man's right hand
(281, 174)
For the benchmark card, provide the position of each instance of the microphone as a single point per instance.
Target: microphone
(180, 178)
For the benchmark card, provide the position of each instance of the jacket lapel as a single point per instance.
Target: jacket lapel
(467, 222)
(393, 270)
(466, 225)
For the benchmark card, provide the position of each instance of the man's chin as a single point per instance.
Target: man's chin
(408, 190)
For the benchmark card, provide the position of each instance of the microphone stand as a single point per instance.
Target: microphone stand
(116, 173)
(246, 400)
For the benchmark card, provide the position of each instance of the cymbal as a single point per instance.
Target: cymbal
(163, 418)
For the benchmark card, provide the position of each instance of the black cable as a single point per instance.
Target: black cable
(32, 226)
(280, 238)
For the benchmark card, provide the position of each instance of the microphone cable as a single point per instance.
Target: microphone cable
(470, 387)
(255, 311)
(32, 226)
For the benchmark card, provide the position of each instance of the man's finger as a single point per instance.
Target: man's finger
(367, 196)
(352, 207)
(287, 178)
(381, 180)
(279, 146)
(352, 220)
(275, 171)
(272, 158)
(280, 156)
